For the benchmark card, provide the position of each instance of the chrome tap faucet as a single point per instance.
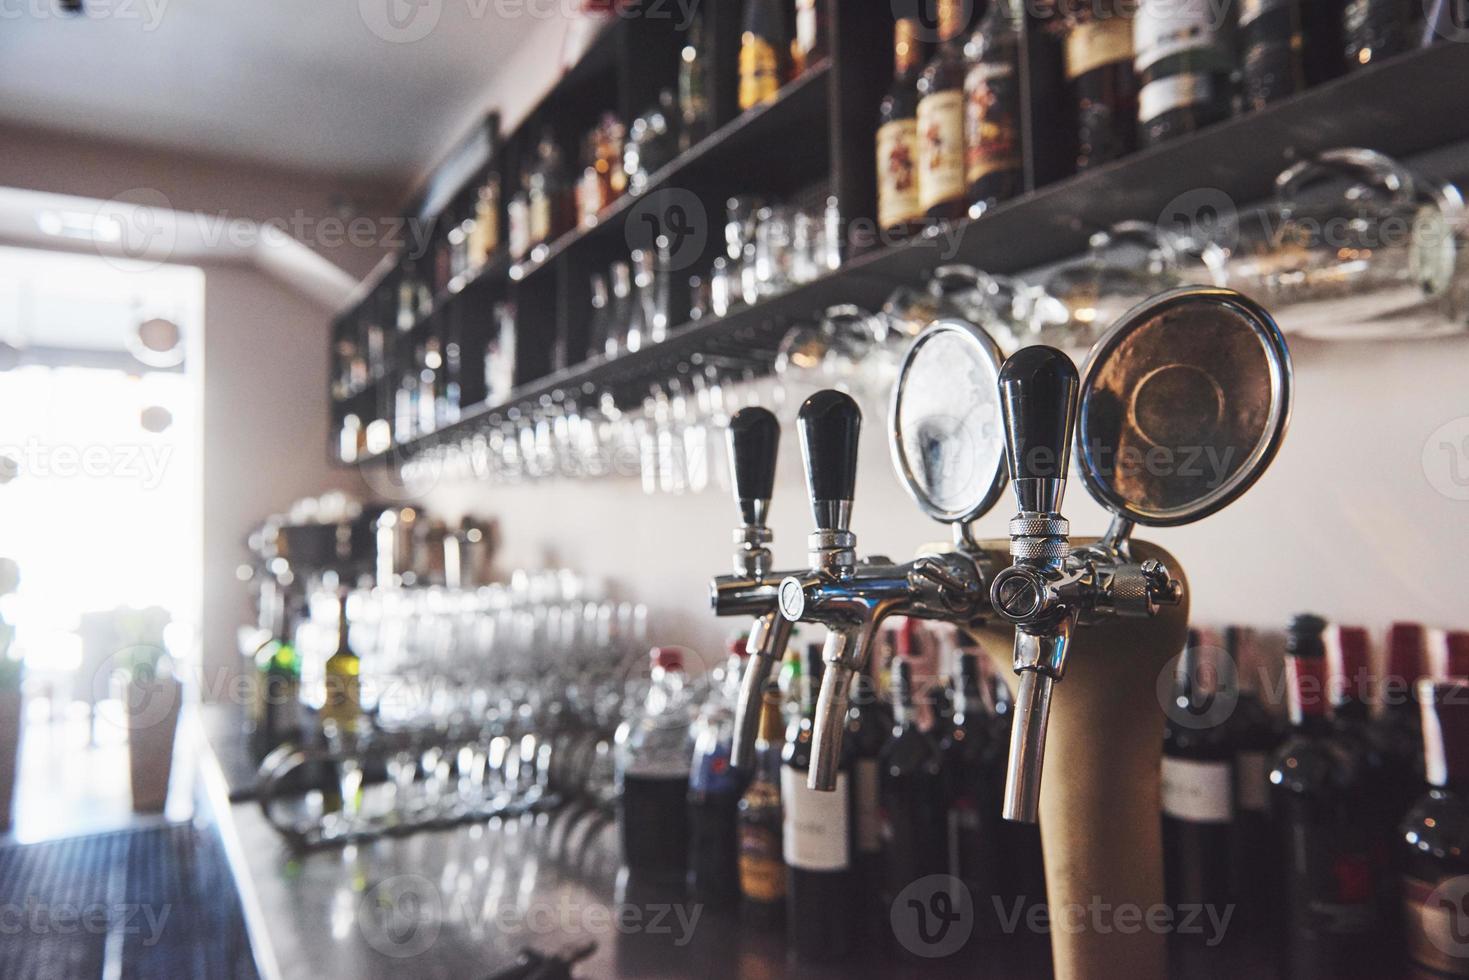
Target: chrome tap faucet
(1048, 588)
(852, 597)
(754, 440)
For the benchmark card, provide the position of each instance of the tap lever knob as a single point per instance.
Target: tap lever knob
(1038, 389)
(830, 424)
(754, 439)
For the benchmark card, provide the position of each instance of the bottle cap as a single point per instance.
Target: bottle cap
(1349, 660)
(669, 658)
(1445, 706)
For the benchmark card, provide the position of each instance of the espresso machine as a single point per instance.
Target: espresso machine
(1181, 407)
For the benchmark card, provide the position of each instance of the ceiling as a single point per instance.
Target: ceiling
(372, 89)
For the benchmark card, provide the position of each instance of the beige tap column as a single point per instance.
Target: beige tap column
(1100, 822)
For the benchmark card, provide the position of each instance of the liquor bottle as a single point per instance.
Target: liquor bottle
(912, 792)
(1375, 29)
(278, 687)
(809, 45)
(1181, 54)
(992, 155)
(484, 238)
(1197, 787)
(1331, 921)
(652, 758)
(764, 53)
(869, 723)
(792, 684)
(341, 710)
(550, 194)
(1271, 45)
(639, 321)
(1099, 75)
(898, 212)
(761, 862)
(599, 331)
(518, 218)
(1407, 664)
(693, 87)
(593, 188)
(430, 360)
(715, 789)
(1253, 736)
(971, 760)
(941, 120)
(816, 840)
(1434, 848)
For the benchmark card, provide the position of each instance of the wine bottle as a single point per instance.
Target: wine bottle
(1271, 42)
(1197, 787)
(278, 687)
(652, 757)
(1182, 59)
(1253, 735)
(1434, 838)
(992, 148)
(912, 793)
(764, 53)
(550, 196)
(693, 87)
(1099, 75)
(816, 839)
(869, 722)
(899, 213)
(941, 120)
(1331, 921)
(971, 760)
(809, 43)
(341, 709)
(1375, 29)
(761, 861)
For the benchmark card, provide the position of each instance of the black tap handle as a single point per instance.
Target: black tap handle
(754, 438)
(830, 423)
(1038, 388)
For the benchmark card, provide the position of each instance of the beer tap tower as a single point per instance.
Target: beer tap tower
(1182, 407)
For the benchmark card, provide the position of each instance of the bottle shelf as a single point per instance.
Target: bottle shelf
(1406, 105)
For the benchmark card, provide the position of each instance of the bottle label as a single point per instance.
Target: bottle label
(1198, 792)
(1174, 92)
(1161, 28)
(759, 72)
(897, 173)
(940, 148)
(1095, 43)
(806, 26)
(1252, 782)
(815, 824)
(991, 126)
(869, 817)
(1435, 924)
(713, 774)
(762, 869)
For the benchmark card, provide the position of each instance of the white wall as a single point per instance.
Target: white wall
(1346, 523)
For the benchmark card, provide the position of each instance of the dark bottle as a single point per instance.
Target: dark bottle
(992, 149)
(1376, 29)
(1099, 75)
(1253, 736)
(869, 723)
(899, 213)
(816, 838)
(715, 789)
(764, 53)
(971, 759)
(1271, 45)
(1197, 787)
(693, 87)
(941, 120)
(761, 864)
(1331, 921)
(1022, 869)
(551, 196)
(1182, 56)
(912, 795)
(652, 765)
(809, 42)
(1435, 839)
(1406, 665)
(278, 681)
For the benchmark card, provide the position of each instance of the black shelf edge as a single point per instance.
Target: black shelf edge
(806, 95)
(1404, 106)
